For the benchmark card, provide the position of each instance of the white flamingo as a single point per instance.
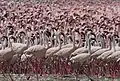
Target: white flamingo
(68, 41)
(19, 48)
(83, 56)
(102, 50)
(7, 53)
(50, 52)
(115, 55)
(67, 45)
(38, 51)
(67, 51)
(84, 49)
(106, 55)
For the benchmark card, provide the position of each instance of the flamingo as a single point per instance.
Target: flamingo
(68, 39)
(67, 51)
(64, 53)
(67, 45)
(104, 56)
(7, 53)
(82, 57)
(38, 51)
(102, 50)
(84, 50)
(109, 52)
(4, 43)
(53, 50)
(18, 48)
(115, 55)
(20, 34)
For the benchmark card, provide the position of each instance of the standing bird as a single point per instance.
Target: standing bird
(38, 51)
(67, 39)
(102, 50)
(7, 53)
(50, 52)
(65, 53)
(69, 44)
(115, 55)
(82, 57)
(19, 48)
(108, 54)
(84, 49)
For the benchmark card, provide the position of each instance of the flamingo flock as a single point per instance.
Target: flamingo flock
(64, 58)
(79, 41)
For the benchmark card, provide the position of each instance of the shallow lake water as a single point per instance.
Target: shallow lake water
(35, 77)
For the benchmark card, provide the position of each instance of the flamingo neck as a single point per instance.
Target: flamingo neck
(86, 38)
(97, 38)
(5, 42)
(80, 40)
(119, 42)
(47, 42)
(51, 42)
(48, 46)
(28, 41)
(69, 39)
(65, 39)
(102, 41)
(23, 40)
(44, 38)
(110, 43)
(9, 43)
(6, 31)
(57, 37)
(36, 41)
(113, 43)
(60, 45)
(20, 40)
(2, 45)
(40, 37)
(89, 46)
(73, 39)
